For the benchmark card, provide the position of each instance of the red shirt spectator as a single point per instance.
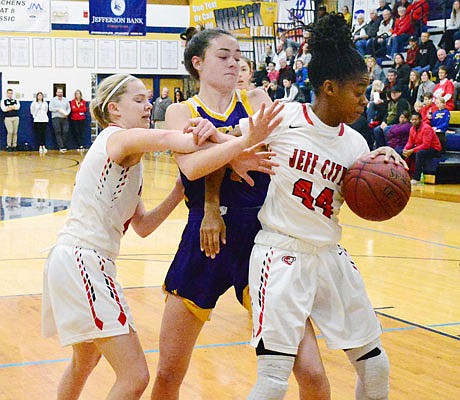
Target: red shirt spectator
(422, 137)
(403, 25)
(418, 10)
(78, 109)
(445, 88)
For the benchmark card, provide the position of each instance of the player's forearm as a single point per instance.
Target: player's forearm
(152, 219)
(213, 184)
(203, 162)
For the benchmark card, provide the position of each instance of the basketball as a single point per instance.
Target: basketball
(374, 190)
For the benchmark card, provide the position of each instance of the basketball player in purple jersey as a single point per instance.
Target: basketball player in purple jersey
(297, 268)
(194, 281)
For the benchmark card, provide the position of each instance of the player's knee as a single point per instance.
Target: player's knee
(169, 377)
(85, 365)
(314, 379)
(373, 368)
(273, 372)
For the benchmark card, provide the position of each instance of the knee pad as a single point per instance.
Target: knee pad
(372, 365)
(273, 372)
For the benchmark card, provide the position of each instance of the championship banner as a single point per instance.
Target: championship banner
(117, 17)
(243, 19)
(25, 16)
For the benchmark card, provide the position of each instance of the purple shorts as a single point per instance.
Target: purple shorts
(203, 280)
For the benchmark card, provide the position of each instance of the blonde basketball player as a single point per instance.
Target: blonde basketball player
(82, 299)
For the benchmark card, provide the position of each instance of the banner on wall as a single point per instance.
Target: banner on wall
(25, 16)
(243, 18)
(117, 17)
(293, 10)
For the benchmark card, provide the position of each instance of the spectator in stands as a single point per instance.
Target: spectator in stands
(60, 109)
(426, 57)
(287, 42)
(395, 107)
(426, 85)
(444, 60)
(301, 74)
(412, 50)
(178, 96)
(346, 14)
(394, 10)
(358, 31)
(440, 121)
(378, 45)
(423, 143)
(305, 55)
(260, 74)
(418, 12)
(322, 11)
(453, 27)
(397, 136)
(392, 77)
(428, 108)
(445, 88)
(290, 91)
(383, 5)
(306, 37)
(10, 107)
(363, 44)
(268, 56)
(272, 72)
(375, 71)
(290, 57)
(265, 84)
(456, 73)
(377, 106)
(279, 54)
(402, 69)
(402, 31)
(412, 88)
(275, 91)
(285, 71)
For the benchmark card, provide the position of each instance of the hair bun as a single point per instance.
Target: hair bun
(330, 33)
(190, 32)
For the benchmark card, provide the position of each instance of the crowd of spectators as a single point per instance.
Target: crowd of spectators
(408, 73)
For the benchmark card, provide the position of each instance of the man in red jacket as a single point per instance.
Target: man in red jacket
(424, 143)
(402, 31)
(418, 12)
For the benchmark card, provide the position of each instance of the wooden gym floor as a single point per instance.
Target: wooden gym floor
(410, 265)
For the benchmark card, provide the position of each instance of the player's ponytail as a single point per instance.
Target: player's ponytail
(333, 54)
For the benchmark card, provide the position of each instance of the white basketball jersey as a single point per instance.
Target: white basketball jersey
(104, 199)
(305, 196)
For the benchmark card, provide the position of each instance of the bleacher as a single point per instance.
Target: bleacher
(446, 169)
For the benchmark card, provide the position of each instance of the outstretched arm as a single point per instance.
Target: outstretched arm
(145, 222)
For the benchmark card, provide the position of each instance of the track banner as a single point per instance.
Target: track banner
(117, 17)
(243, 18)
(25, 16)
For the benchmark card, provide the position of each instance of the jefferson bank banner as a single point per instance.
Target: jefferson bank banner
(243, 18)
(25, 15)
(117, 17)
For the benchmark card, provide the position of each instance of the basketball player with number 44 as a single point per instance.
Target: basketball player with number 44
(297, 268)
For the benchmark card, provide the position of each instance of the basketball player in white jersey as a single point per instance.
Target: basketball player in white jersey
(297, 268)
(82, 299)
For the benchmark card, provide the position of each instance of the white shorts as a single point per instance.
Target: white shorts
(81, 298)
(290, 280)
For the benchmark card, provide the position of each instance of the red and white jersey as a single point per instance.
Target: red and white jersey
(305, 196)
(104, 200)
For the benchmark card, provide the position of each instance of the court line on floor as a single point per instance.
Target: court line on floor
(424, 327)
(412, 326)
(398, 235)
